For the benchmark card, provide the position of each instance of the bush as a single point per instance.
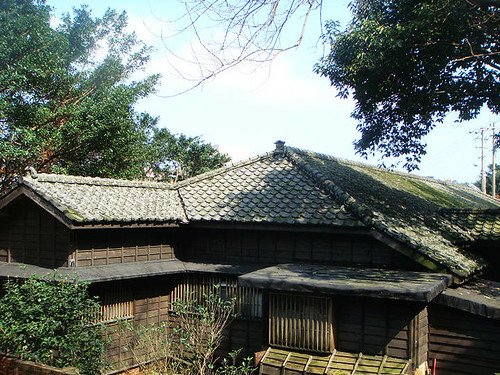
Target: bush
(51, 322)
(187, 344)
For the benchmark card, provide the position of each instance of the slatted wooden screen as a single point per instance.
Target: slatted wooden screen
(117, 311)
(116, 304)
(248, 301)
(301, 322)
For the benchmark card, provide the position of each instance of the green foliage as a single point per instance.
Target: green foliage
(51, 322)
(181, 155)
(233, 367)
(408, 63)
(61, 108)
(67, 97)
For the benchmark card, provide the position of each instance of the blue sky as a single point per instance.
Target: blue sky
(245, 110)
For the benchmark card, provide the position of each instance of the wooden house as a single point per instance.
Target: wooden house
(338, 267)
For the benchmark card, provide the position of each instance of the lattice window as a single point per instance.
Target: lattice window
(301, 322)
(115, 304)
(117, 311)
(248, 301)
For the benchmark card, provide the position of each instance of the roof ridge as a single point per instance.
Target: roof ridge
(491, 211)
(221, 170)
(382, 169)
(86, 180)
(344, 198)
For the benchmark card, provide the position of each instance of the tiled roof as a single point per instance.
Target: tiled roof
(266, 189)
(296, 187)
(404, 206)
(88, 199)
(480, 224)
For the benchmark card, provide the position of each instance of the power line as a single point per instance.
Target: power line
(451, 148)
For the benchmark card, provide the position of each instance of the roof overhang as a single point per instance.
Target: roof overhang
(102, 273)
(367, 282)
(123, 271)
(480, 297)
(22, 190)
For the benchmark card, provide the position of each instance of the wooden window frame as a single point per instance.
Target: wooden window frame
(248, 300)
(116, 304)
(117, 311)
(297, 331)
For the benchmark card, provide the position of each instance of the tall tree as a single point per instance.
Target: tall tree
(409, 63)
(67, 98)
(174, 157)
(62, 107)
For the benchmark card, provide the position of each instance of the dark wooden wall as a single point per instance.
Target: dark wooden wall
(463, 343)
(28, 234)
(247, 335)
(395, 328)
(151, 298)
(272, 247)
(108, 246)
(151, 304)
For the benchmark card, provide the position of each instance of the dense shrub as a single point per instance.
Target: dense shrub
(51, 321)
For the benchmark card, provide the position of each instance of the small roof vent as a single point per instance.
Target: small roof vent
(280, 148)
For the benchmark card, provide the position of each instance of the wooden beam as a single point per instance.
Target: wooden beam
(330, 362)
(303, 228)
(284, 363)
(118, 225)
(265, 354)
(381, 367)
(304, 372)
(360, 355)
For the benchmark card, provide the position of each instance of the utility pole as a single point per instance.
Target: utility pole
(493, 165)
(483, 175)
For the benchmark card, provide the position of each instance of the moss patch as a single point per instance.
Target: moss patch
(73, 215)
(418, 188)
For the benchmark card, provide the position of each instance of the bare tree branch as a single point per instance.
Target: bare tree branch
(228, 33)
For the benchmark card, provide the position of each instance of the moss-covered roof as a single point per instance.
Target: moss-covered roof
(404, 206)
(265, 189)
(295, 187)
(104, 200)
(281, 361)
(479, 224)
